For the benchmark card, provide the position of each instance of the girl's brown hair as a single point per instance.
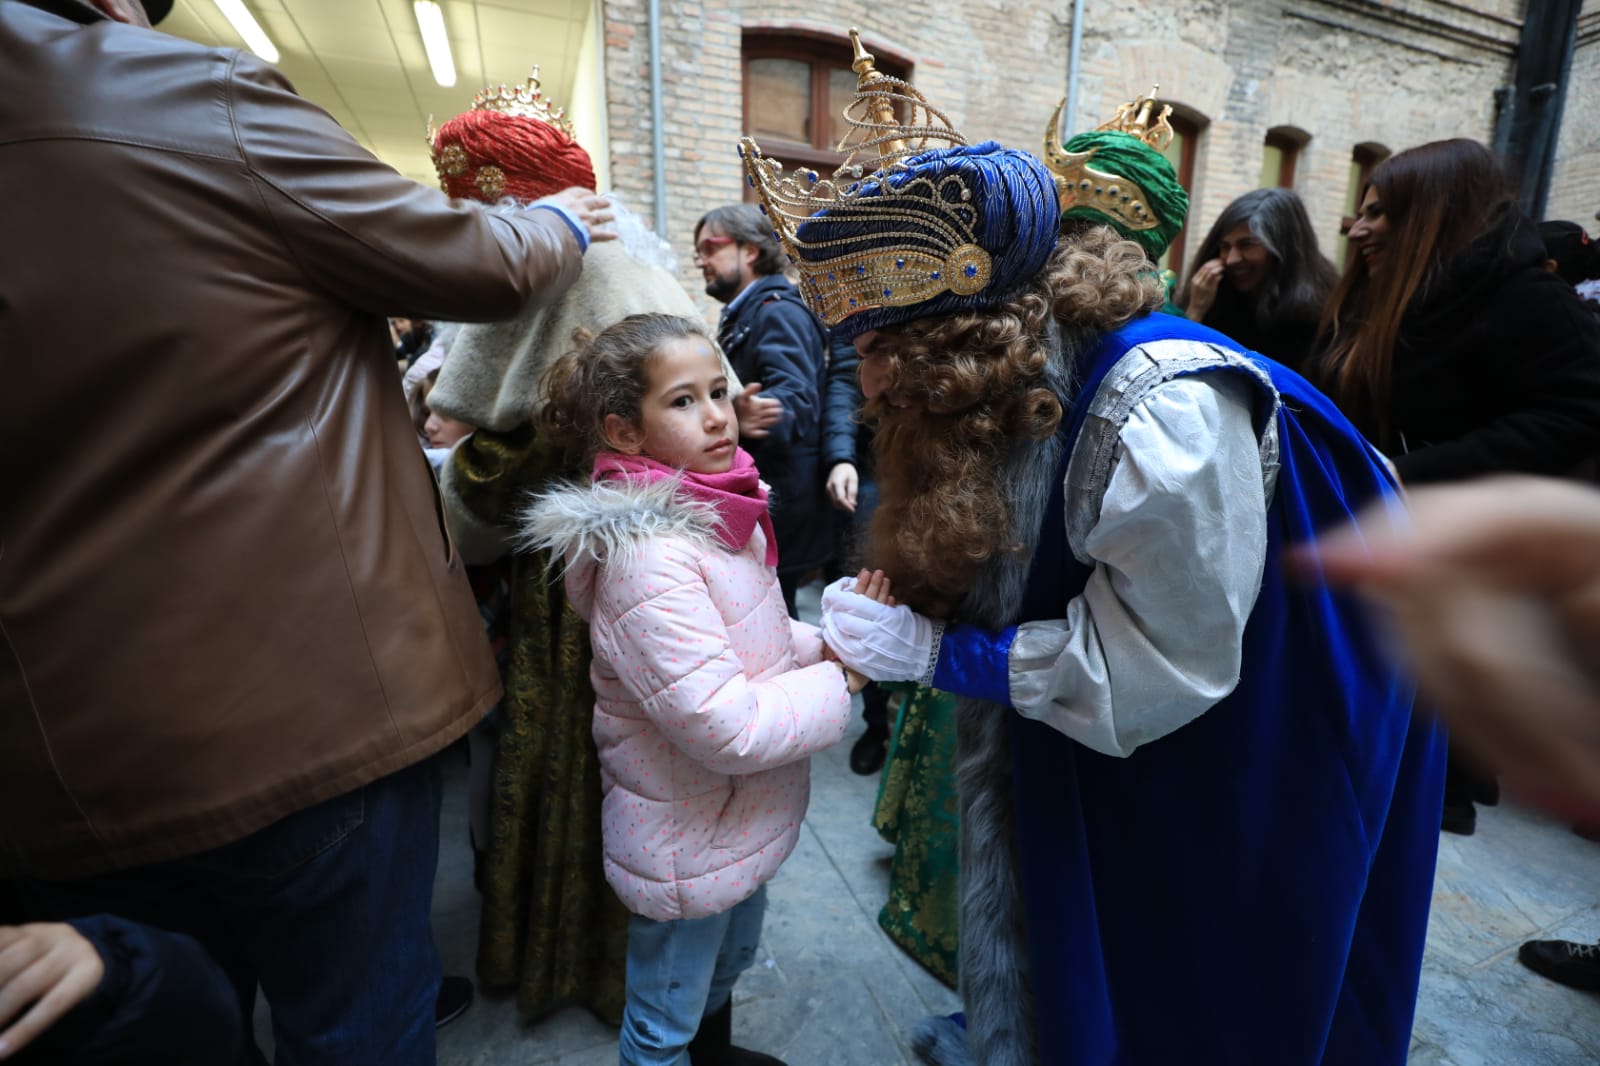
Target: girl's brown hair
(980, 379)
(1437, 198)
(606, 374)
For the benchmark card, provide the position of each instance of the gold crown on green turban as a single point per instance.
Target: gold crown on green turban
(1115, 196)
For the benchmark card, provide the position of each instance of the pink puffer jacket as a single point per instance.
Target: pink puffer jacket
(708, 698)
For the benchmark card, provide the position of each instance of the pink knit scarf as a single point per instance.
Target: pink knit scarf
(737, 494)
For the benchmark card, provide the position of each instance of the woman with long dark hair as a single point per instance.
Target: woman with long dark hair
(1260, 278)
(1453, 348)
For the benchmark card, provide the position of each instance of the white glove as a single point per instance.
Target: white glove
(884, 643)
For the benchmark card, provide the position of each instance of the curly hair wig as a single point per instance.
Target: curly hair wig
(976, 387)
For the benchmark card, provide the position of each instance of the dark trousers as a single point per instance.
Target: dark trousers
(789, 585)
(326, 909)
(849, 544)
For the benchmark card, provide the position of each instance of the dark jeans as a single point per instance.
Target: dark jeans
(789, 585)
(849, 553)
(326, 909)
(163, 1001)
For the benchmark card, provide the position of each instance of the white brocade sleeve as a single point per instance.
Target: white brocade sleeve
(1179, 547)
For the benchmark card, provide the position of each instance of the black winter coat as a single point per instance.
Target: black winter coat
(844, 439)
(770, 337)
(1285, 340)
(1497, 369)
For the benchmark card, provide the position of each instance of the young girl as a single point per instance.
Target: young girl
(708, 698)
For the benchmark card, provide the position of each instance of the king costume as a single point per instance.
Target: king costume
(1198, 818)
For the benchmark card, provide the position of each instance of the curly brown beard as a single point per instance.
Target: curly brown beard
(977, 386)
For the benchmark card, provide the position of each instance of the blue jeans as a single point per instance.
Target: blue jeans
(679, 972)
(327, 909)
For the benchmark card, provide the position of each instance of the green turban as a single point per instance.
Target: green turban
(1128, 157)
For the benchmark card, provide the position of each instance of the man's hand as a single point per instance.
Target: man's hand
(843, 484)
(757, 414)
(1203, 289)
(1494, 590)
(592, 209)
(45, 970)
(875, 586)
(872, 634)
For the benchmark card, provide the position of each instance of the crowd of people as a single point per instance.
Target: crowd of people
(1088, 547)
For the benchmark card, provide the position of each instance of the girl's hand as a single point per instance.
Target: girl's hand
(874, 635)
(855, 682)
(874, 585)
(1203, 289)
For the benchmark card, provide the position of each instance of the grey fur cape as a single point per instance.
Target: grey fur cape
(995, 988)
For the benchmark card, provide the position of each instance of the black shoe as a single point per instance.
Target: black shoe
(1460, 818)
(455, 996)
(868, 753)
(1564, 962)
(713, 1044)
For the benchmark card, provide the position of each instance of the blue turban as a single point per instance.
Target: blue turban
(913, 229)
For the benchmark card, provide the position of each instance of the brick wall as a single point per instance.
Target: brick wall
(1345, 72)
(1394, 72)
(997, 69)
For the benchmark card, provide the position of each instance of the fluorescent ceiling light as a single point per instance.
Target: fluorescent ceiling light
(430, 19)
(247, 27)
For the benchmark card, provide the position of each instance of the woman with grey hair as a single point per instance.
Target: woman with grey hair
(1260, 278)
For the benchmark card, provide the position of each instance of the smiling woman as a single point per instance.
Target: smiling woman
(1454, 349)
(1260, 277)
(1446, 263)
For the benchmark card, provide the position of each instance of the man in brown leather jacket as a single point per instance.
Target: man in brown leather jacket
(232, 625)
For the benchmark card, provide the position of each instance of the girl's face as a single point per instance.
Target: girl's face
(1370, 231)
(686, 416)
(1245, 260)
(443, 432)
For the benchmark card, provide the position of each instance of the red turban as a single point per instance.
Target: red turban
(487, 155)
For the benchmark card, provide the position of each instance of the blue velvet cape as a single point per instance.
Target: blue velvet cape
(1254, 887)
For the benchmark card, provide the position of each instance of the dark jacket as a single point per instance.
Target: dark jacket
(1286, 340)
(844, 438)
(1497, 369)
(226, 593)
(770, 337)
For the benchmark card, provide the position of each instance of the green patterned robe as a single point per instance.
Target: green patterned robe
(552, 927)
(917, 813)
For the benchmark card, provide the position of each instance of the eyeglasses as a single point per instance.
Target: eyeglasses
(709, 245)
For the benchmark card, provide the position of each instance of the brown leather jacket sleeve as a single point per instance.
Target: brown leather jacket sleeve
(375, 239)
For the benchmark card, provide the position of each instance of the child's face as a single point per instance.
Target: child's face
(443, 432)
(686, 417)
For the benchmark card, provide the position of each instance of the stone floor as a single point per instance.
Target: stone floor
(832, 990)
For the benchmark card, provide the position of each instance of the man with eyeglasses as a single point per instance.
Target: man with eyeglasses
(779, 349)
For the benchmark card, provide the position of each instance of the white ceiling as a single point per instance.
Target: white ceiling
(363, 60)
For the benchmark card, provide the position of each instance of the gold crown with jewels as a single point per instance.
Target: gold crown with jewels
(519, 101)
(523, 101)
(927, 222)
(1081, 185)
